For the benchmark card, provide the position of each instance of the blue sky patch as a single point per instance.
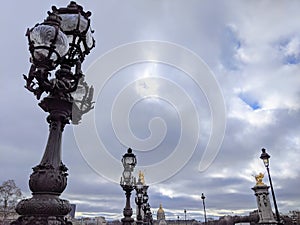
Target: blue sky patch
(289, 49)
(291, 59)
(250, 101)
(230, 44)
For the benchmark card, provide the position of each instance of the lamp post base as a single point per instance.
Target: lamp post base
(41, 220)
(43, 204)
(127, 221)
(127, 211)
(44, 207)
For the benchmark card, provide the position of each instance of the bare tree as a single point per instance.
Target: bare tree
(9, 196)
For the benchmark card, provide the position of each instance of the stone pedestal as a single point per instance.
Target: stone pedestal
(265, 213)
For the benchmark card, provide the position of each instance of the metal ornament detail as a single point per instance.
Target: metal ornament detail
(41, 220)
(47, 179)
(64, 83)
(44, 205)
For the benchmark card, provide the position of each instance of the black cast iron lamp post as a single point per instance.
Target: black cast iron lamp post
(265, 157)
(203, 201)
(139, 200)
(148, 214)
(61, 40)
(127, 183)
(145, 203)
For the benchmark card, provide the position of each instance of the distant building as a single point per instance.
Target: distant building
(114, 222)
(8, 217)
(160, 213)
(161, 219)
(295, 216)
(89, 221)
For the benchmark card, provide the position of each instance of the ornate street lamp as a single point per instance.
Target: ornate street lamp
(150, 216)
(127, 183)
(203, 201)
(50, 47)
(148, 220)
(146, 205)
(265, 157)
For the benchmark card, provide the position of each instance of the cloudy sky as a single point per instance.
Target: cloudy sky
(196, 88)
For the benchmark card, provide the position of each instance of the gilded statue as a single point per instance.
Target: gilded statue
(141, 177)
(259, 179)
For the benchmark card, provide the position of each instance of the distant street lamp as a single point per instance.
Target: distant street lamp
(63, 39)
(265, 157)
(127, 183)
(149, 214)
(139, 201)
(203, 201)
(185, 216)
(146, 205)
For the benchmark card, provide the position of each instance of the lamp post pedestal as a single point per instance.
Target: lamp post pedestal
(264, 206)
(127, 211)
(49, 178)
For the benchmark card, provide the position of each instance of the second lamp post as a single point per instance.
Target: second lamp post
(127, 183)
(139, 201)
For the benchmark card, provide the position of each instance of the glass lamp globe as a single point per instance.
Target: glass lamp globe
(47, 43)
(145, 198)
(265, 157)
(127, 177)
(82, 100)
(76, 25)
(129, 160)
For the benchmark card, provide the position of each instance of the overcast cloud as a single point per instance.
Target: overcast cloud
(251, 47)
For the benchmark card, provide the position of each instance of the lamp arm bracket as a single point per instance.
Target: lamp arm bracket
(37, 81)
(78, 72)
